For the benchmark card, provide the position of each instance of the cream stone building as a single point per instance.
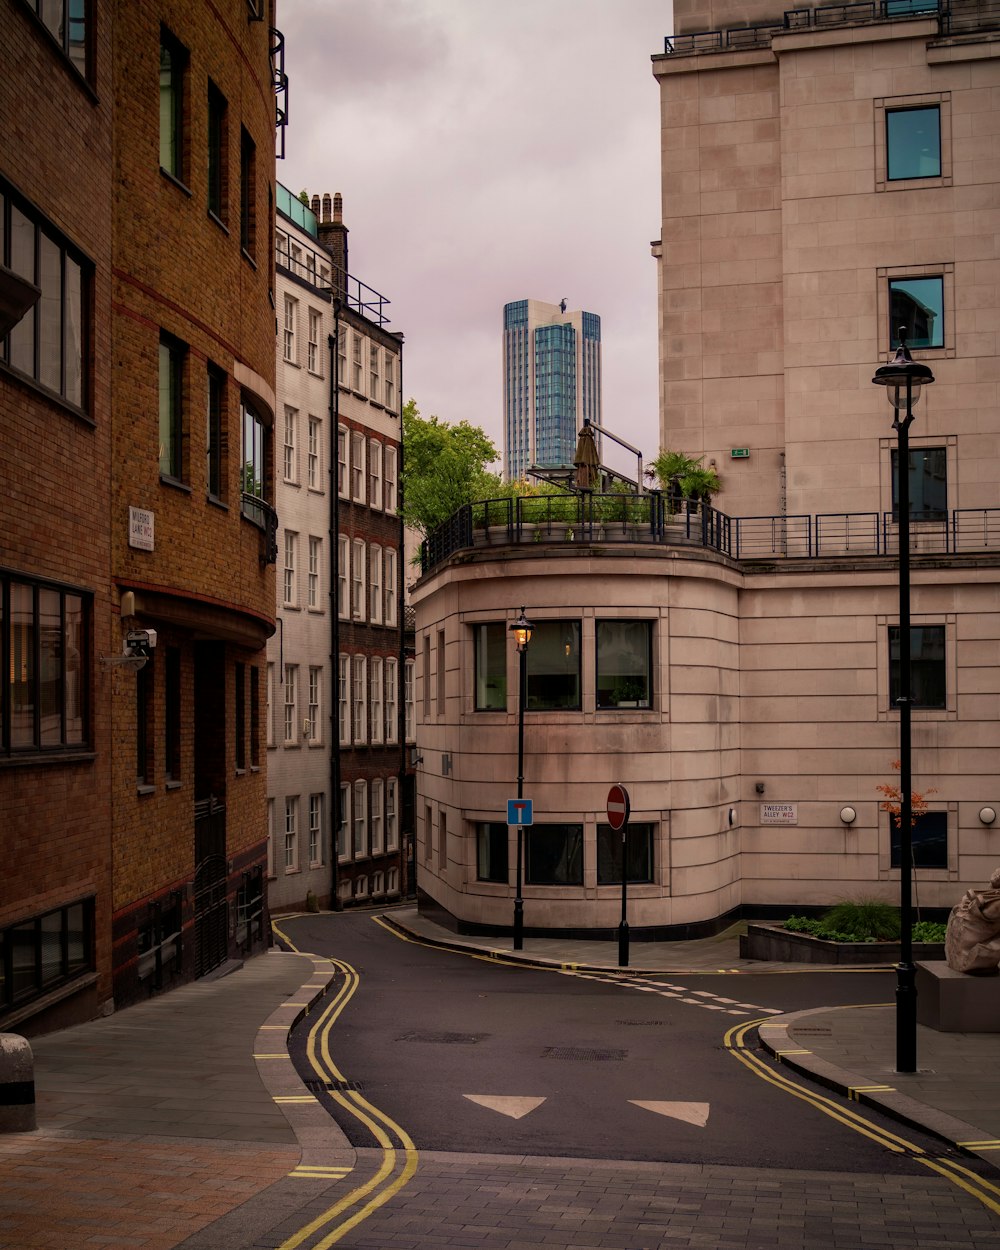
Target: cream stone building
(830, 174)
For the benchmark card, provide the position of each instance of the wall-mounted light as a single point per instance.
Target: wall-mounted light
(848, 815)
(732, 816)
(759, 787)
(987, 815)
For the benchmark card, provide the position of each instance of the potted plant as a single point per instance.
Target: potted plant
(683, 478)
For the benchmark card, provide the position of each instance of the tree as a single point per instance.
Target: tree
(444, 467)
(893, 801)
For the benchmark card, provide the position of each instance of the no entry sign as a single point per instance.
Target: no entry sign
(618, 807)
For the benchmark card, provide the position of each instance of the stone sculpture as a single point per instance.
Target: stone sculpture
(972, 940)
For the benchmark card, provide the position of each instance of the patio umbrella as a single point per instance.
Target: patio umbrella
(586, 460)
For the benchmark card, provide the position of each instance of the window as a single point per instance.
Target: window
(491, 852)
(390, 381)
(218, 151)
(442, 840)
(427, 677)
(45, 649)
(391, 881)
(428, 832)
(313, 582)
(360, 556)
(375, 583)
(171, 420)
(291, 834)
(378, 883)
(373, 387)
(289, 595)
(361, 887)
(343, 574)
(928, 483)
(48, 950)
(609, 854)
(270, 705)
(342, 356)
(913, 142)
(215, 471)
(377, 829)
(342, 462)
(48, 343)
(312, 351)
(248, 162)
(240, 717)
(624, 663)
(290, 461)
(254, 717)
(358, 467)
(343, 821)
(67, 22)
(255, 453)
(313, 714)
(360, 691)
(375, 708)
(391, 704)
(291, 679)
(173, 61)
(315, 830)
(312, 454)
(172, 714)
(553, 666)
(288, 332)
(145, 730)
(410, 706)
(271, 872)
(357, 366)
(917, 304)
(554, 853)
(343, 699)
(929, 840)
(374, 473)
(391, 814)
(389, 563)
(491, 666)
(389, 479)
(360, 819)
(927, 666)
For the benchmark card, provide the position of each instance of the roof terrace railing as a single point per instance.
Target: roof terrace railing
(590, 519)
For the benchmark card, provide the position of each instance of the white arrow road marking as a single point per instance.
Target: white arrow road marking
(695, 1113)
(516, 1108)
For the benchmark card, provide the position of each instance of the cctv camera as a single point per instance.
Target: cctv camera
(140, 641)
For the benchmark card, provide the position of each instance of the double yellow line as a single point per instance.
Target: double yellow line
(983, 1190)
(399, 1155)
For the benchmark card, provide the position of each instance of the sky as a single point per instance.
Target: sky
(488, 151)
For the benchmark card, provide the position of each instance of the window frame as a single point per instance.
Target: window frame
(925, 831)
(883, 108)
(359, 578)
(376, 694)
(535, 676)
(215, 440)
(289, 444)
(389, 479)
(289, 578)
(313, 575)
(172, 360)
(391, 814)
(375, 583)
(314, 445)
(313, 363)
(391, 700)
(69, 969)
(359, 693)
(240, 716)
(937, 678)
(533, 853)
(344, 699)
(174, 61)
(218, 155)
(375, 474)
(358, 466)
(376, 816)
(608, 863)
(624, 685)
(290, 846)
(316, 858)
(489, 664)
(315, 705)
(917, 476)
(290, 704)
(492, 846)
(78, 52)
(359, 839)
(390, 576)
(248, 185)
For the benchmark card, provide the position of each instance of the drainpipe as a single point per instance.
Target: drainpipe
(401, 668)
(333, 468)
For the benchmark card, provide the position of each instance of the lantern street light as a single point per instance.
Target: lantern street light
(903, 378)
(521, 629)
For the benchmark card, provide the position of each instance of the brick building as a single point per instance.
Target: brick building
(143, 507)
(336, 738)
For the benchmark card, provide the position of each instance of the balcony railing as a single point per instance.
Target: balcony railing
(260, 513)
(589, 519)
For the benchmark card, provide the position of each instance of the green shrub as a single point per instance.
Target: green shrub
(929, 931)
(867, 919)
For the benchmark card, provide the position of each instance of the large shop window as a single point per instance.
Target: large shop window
(491, 666)
(640, 854)
(929, 840)
(917, 304)
(927, 666)
(624, 663)
(928, 481)
(39, 954)
(553, 666)
(491, 852)
(47, 344)
(554, 854)
(46, 662)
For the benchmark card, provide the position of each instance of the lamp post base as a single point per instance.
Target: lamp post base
(623, 944)
(906, 1017)
(518, 924)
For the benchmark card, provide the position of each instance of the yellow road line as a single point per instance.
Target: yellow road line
(284, 1056)
(949, 1170)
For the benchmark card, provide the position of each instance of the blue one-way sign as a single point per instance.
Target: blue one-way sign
(519, 811)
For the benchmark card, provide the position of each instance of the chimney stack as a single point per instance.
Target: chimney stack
(333, 236)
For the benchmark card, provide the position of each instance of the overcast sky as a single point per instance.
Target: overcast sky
(487, 151)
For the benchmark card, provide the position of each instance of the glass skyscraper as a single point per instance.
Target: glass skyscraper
(552, 381)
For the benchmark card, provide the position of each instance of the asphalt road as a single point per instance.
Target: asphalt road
(469, 1055)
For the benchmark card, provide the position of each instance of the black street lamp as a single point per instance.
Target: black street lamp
(521, 629)
(903, 378)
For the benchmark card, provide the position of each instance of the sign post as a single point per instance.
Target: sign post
(618, 813)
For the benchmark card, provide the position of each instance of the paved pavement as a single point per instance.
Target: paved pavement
(181, 1121)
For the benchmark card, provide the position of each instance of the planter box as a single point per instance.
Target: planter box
(778, 945)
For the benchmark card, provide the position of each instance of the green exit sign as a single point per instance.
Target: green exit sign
(740, 453)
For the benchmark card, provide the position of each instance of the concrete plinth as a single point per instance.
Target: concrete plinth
(17, 1085)
(956, 1002)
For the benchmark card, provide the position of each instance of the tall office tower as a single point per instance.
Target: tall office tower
(551, 382)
